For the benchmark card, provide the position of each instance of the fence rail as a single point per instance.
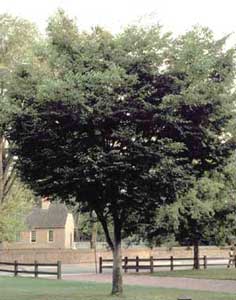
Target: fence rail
(171, 262)
(17, 268)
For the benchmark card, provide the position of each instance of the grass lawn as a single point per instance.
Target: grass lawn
(222, 274)
(43, 289)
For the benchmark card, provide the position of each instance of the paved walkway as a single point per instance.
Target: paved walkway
(227, 286)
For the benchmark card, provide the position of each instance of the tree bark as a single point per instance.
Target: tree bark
(105, 229)
(1, 169)
(76, 216)
(7, 170)
(117, 282)
(93, 239)
(196, 264)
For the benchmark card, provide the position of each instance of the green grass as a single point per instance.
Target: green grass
(42, 289)
(221, 274)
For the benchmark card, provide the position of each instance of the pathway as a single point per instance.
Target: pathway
(227, 286)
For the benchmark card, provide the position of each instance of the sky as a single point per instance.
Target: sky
(175, 15)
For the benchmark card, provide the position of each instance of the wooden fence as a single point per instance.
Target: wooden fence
(16, 268)
(171, 262)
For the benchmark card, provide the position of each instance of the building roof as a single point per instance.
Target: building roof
(53, 217)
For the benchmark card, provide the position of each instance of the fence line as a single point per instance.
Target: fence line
(154, 263)
(36, 265)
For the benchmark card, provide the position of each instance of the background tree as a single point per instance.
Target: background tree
(17, 38)
(13, 211)
(205, 215)
(87, 227)
(124, 124)
(207, 73)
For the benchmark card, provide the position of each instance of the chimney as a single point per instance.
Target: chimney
(45, 203)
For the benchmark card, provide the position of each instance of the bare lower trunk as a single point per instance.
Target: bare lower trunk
(117, 283)
(76, 216)
(93, 239)
(196, 265)
(7, 170)
(1, 170)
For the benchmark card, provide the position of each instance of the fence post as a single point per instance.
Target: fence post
(15, 268)
(100, 264)
(137, 264)
(151, 264)
(171, 263)
(58, 269)
(205, 262)
(36, 269)
(126, 264)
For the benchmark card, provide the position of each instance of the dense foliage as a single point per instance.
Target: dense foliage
(17, 39)
(123, 124)
(13, 212)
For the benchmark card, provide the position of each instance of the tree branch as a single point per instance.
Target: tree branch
(9, 185)
(106, 231)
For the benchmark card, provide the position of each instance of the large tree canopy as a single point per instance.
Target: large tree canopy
(123, 124)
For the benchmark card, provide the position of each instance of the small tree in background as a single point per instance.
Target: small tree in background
(13, 211)
(17, 39)
(205, 215)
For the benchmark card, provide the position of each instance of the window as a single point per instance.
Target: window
(18, 237)
(33, 236)
(50, 235)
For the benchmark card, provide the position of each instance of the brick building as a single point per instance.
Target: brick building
(48, 226)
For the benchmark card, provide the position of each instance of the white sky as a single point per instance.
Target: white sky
(175, 15)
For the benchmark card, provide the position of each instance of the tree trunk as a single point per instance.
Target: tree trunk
(93, 239)
(196, 265)
(117, 284)
(76, 216)
(1, 170)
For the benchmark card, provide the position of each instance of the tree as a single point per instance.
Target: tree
(203, 215)
(190, 218)
(13, 211)
(17, 37)
(124, 124)
(87, 227)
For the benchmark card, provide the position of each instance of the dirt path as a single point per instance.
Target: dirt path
(227, 286)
